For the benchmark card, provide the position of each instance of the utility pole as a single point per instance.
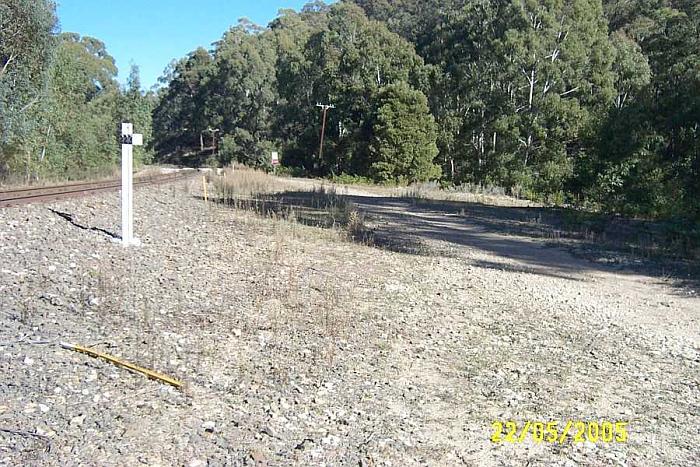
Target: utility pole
(214, 142)
(326, 108)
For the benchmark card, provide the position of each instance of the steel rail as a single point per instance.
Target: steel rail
(18, 197)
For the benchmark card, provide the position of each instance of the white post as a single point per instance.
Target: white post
(275, 160)
(128, 140)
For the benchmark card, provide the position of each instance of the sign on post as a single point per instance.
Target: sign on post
(275, 159)
(128, 140)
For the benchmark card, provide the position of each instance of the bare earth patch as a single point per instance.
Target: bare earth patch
(301, 347)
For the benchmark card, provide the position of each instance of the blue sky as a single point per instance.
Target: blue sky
(150, 33)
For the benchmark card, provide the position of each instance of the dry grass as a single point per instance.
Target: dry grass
(267, 196)
(238, 181)
(469, 193)
(18, 181)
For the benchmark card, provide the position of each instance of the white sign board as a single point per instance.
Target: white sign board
(275, 158)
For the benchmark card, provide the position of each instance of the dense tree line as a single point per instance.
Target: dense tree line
(587, 101)
(579, 100)
(257, 91)
(593, 102)
(60, 102)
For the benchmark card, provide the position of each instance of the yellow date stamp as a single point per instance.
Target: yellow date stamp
(555, 432)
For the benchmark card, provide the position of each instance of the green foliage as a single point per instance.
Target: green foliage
(180, 116)
(136, 107)
(346, 62)
(81, 128)
(403, 145)
(26, 49)
(347, 179)
(244, 148)
(290, 172)
(260, 87)
(60, 103)
(611, 120)
(560, 100)
(240, 92)
(647, 160)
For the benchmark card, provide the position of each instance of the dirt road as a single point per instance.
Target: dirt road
(300, 347)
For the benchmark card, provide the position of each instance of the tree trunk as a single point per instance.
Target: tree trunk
(532, 87)
(7, 63)
(29, 163)
(43, 150)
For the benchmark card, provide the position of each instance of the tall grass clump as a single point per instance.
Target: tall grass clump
(240, 182)
(318, 206)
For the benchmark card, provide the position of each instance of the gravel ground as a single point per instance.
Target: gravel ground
(300, 347)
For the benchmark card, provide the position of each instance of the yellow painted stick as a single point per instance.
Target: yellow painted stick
(150, 373)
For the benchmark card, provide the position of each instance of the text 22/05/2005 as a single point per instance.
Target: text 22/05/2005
(555, 432)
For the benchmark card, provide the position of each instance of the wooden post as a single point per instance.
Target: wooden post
(325, 108)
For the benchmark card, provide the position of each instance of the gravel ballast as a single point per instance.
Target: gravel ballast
(298, 346)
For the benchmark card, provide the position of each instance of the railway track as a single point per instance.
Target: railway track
(22, 196)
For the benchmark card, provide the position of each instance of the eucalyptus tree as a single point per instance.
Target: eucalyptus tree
(26, 50)
(551, 98)
(558, 67)
(82, 99)
(296, 131)
(135, 106)
(516, 84)
(241, 92)
(180, 118)
(650, 149)
(348, 63)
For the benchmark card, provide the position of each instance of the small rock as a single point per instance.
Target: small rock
(28, 361)
(77, 421)
(44, 408)
(258, 457)
(302, 446)
(209, 427)
(45, 432)
(331, 440)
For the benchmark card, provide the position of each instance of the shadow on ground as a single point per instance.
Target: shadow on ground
(528, 239)
(70, 218)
